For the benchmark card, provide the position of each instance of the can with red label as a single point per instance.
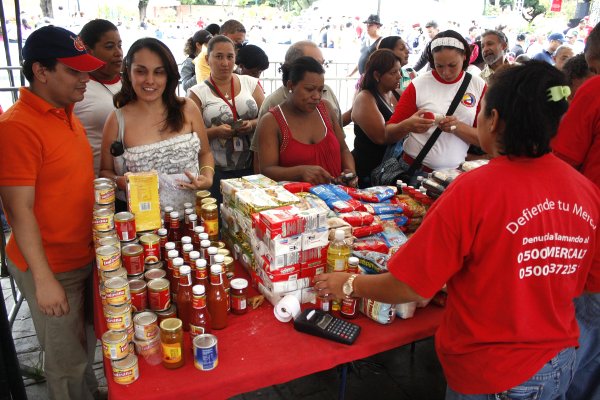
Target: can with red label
(139, 295)
(159, 294)
(151, 244)
(117, 291)
(125, 226)
(133, 259)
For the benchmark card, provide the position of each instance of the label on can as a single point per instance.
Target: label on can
(133, 260)
(151, 244)
(159, 295)
(171, 352)
(108, 258)
(115, 345)
(139, 301)
(126, 371)
(103, 220)
(206, 356)
(117, 291)
(117, 317)
(125, 226)
(104, 193)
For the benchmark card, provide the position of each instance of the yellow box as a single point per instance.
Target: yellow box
(143, 199)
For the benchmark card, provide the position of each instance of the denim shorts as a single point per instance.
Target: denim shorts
(549, 383)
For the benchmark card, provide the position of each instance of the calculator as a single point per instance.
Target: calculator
(319, 323)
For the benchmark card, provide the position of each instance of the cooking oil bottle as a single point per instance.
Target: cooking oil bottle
(337, 258)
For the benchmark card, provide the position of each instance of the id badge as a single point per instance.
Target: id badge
(238, 143)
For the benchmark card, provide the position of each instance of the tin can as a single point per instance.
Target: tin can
(125, 226)
(103, 220)
(109, 241)
(155, 265)
(159, 294)
(145, 325)
(151, 244)
(133, 259)
(126, 371)
(117, 317)
(218, 245)
(115, 345)
(117, 291)
(102, 293)
(150, 349)
(134, 277)
(104, 191)
(97, 235)
(228, 262)
(170, 312)
(108, 258)
(206, 356)
(119, 272)
(139, 295)
(154, 274)
(224, 251)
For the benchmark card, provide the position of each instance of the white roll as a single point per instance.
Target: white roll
(287, 308)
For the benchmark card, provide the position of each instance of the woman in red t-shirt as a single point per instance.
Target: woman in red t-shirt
(301, 138)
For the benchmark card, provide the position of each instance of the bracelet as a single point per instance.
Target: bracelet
(206, 166)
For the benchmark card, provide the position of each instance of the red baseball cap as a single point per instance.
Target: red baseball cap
(50, 42)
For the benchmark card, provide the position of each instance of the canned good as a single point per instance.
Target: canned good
(115, 345)
(218, 245)
(110, 207)
(125, 225)
(170, 312)
(159, 294)
(119, 272)
(134, 277)
(206, 356)
(97, 235)
(145, 325)
(117, 291)
(150, 242)
(102, 293)
(104, 191)
(117, 317)
(224, 251)
(150, 349)
(126, 371)
(133, 258)
(154, 265)
(103, 220)
(139, 295)
(109, 241)
(208, 200)
(108, 258)
(228, 262)
(154, 274)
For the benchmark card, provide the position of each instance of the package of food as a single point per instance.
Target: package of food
(384, 208)
(259, 180)
(309, 201)
(296, 187)
(391, 234)
(358, 218)
(370, 243)
(372, 262)
(363, 231)
(314, 218)
(250, 201)
(230, 186)
(410, 207)
(315, 239)
(282, 221)
(375, 194)
(282, 195)
(338, 223)
(143, 199)
(434, 188)
(445, 176)
(399, 219)
(382, 313)
(471, 165)
(406, 310)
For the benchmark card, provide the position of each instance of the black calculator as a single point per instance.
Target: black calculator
(319, 323)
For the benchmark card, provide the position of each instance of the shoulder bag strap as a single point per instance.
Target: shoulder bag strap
(438, 131)
(121, 124)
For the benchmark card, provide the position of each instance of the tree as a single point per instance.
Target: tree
(142, 6)
(199, 2)
(46, 6)
(531, 9)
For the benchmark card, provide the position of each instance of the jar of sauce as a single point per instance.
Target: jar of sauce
(217, 298)
(239, 289)
(210, 215)
(171, 340)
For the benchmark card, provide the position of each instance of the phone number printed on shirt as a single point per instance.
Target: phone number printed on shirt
(547, 269)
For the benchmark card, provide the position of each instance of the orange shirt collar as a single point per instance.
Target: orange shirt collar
(41, 105)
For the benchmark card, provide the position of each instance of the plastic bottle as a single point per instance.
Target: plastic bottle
(217, 298)
(200, 319)
(184, 296)
(220, 259)
(177, 264)
(337, 258)
(349, 307)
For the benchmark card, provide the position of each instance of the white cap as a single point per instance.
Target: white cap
(203, 236)
(339, 234)
(188, 205)
(188, 247)
(201, 263)
(353, 260)
(205, 243)
(239, 283)
(399, 182)
(216, 269)
(170, 246)
(194, 254)
(161, 232)
(172, 253)
(212, 250)
(174, 215)
(219, 258)
(193, 217)
(185, 270)
(186, 239)
(189, 211)
(198, 290)
(178, 261)
(198, 229)
(168, 209)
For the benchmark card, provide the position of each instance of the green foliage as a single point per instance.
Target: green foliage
(198, 2)
(507, 3)
(531, 9)
(287, 5)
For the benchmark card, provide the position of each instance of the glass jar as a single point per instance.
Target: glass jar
(210, 215)
(171, 340)
(239, 289)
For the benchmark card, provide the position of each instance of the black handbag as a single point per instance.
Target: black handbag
(392, 168)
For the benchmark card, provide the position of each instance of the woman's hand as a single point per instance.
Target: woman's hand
(449, 124)
(246, 128)
(344, 180)
(417, 124)
(331, 284)
(226, 131)
(315, 175)
(197, 182)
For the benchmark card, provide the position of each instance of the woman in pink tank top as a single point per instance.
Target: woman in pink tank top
(301, 139)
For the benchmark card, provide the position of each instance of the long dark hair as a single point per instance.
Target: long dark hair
(450, 34)
(520, 96)
(174, 104)
(380, 61)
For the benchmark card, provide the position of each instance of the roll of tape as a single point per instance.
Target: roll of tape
(287, 308)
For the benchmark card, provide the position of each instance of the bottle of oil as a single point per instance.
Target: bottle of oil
(337, 258)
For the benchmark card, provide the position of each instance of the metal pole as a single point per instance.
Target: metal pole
(379, 7)
(19, 42)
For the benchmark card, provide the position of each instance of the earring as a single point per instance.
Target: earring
(290, 90)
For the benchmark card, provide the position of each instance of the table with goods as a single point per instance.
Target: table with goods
(180, 306)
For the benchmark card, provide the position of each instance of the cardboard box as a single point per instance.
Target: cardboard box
(315, 239)
(143, 199)
(281, 221)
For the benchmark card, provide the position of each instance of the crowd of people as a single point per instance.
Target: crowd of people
(505, 331)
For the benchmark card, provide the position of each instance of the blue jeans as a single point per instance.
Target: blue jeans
(549, 383)
(586, 381)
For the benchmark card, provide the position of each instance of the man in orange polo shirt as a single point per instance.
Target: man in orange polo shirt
(46, 186)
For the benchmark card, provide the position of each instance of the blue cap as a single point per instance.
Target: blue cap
(52, 42)
(557, 36)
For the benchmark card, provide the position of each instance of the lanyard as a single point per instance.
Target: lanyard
(230, 104)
